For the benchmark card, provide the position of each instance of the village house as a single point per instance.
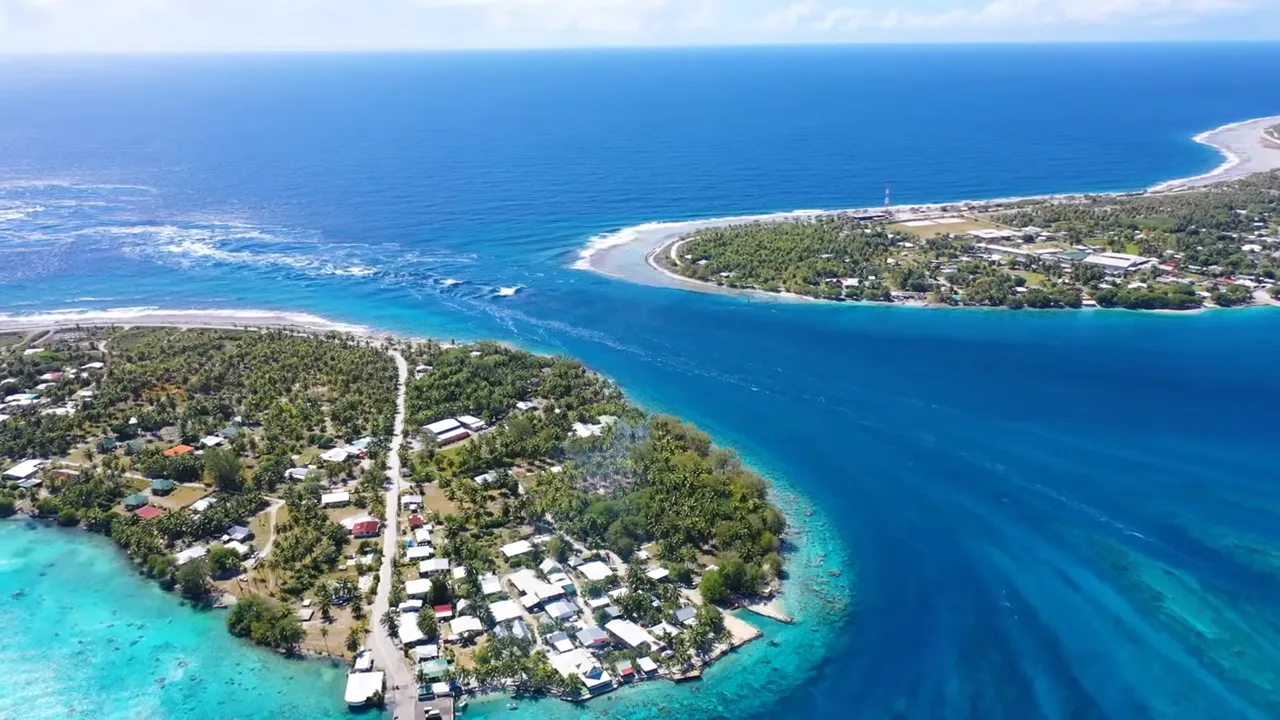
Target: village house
(24, 470)
(179, 451)
(433, 566)
(517, 548)
(341, 498)
(633, 636)
(595, 571)
(366, 529)
(194, 553)
(593, 637)
(239, 533)
(417, 588)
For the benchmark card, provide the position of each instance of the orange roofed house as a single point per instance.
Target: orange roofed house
(179, 451)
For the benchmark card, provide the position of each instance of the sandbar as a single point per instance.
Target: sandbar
(150, 316)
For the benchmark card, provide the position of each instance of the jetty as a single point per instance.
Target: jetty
(771, 608)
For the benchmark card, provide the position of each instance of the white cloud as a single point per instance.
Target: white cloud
(201, 25)
(607, 16)
(817, 15)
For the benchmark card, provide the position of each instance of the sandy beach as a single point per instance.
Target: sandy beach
(222, 319)
(1245, 148)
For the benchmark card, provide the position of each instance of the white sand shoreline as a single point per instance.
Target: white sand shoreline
(1245, 150)
(154, 316)
(627, 253)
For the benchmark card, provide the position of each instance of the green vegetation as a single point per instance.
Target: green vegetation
(267, 396)
(265, 622)
(636, 480)
(513, 660)
(669, 487)
(1208, 239)
(308, 544)
(1204, 228)
(797, 256)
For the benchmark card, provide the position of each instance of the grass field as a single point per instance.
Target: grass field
(1033, 279)
(959, 228)
(181, 497)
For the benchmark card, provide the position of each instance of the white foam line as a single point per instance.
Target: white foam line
(161, 316)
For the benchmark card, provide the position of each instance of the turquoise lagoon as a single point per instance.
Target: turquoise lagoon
(86, 637)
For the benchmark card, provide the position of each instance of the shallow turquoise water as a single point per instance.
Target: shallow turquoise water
(86, 637)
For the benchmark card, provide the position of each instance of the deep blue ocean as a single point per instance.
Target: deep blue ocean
(1014, 515)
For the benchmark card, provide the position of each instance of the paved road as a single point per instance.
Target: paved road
(402, 690)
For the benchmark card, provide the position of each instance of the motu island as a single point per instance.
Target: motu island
(1211, 246)
(451, 518)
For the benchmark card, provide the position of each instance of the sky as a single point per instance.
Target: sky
(79, 26)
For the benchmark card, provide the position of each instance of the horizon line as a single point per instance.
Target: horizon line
(624, 47)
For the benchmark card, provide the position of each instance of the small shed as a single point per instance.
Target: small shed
(133, 502)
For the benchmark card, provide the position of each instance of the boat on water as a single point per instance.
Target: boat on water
(450, 282)
(508, 291)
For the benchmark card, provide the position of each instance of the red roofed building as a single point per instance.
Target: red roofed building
(443, 612)
(179, 450)
(416, 521)
(149, 512)
(366, 529)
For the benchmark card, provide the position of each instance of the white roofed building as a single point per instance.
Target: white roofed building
(505, 610)
(24, 470)
(519, 547)
(453, 436)
(441, 427)
(490, 585)
(581, 663)
(363, 687)
(466, 625)
(409, 633)
(417, 588)
(335, 499)
(633, 635)
(560, 610)
(418, 553)
(595, 571)
(433, 566)
(190, 554)
(335, 455)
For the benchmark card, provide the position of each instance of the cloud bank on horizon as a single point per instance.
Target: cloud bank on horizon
(227, 25)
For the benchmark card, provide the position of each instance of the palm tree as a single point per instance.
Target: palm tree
(324, 600)
(391, 622)
(324, 635)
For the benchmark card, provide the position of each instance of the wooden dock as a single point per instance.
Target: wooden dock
(436, 709)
